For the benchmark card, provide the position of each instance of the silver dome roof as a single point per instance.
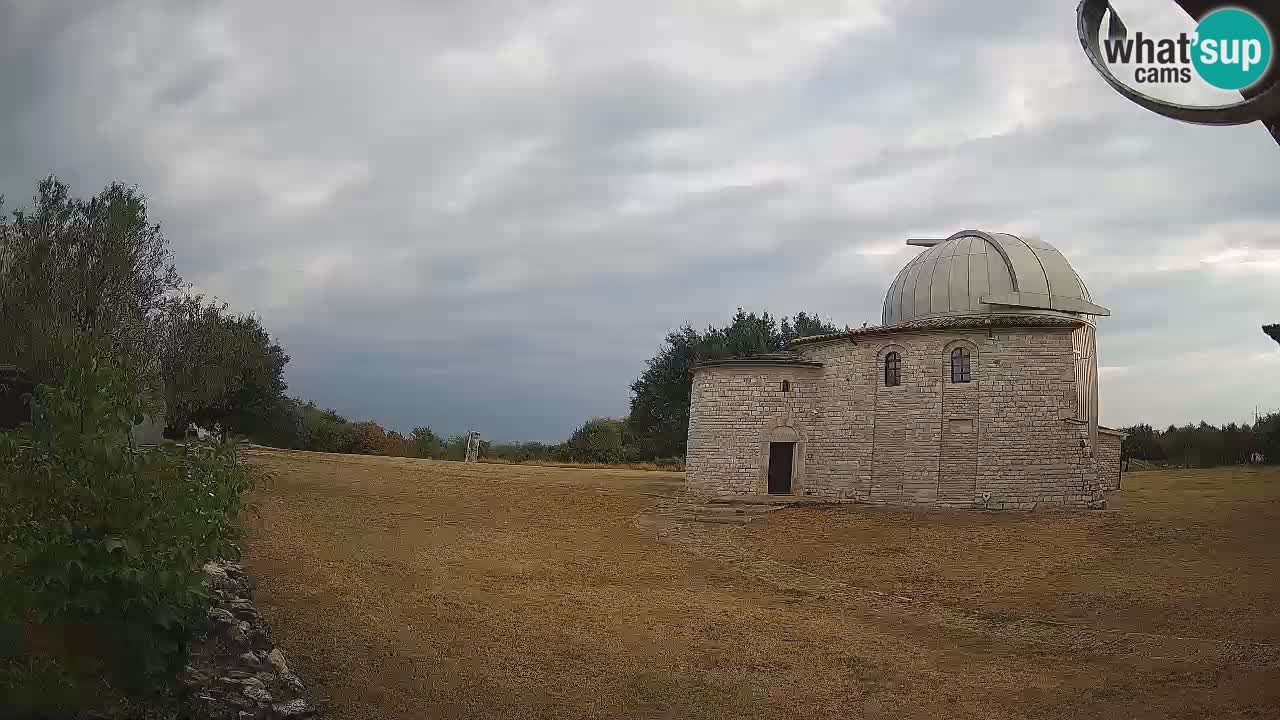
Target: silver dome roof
(975, 272)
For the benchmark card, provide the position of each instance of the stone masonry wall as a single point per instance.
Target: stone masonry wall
(1107, 460)
(1032, 452)
(731, 411)
(838, 459)
(1003, 440)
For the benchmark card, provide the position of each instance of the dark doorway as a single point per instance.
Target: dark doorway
(780, 455)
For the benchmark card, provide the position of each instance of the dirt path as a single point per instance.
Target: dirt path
(410, 589)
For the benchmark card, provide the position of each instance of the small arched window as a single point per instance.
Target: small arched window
(892, 369)
(961, 370)
(786, 386)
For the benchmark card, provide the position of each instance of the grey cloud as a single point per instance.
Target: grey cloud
(487, 215)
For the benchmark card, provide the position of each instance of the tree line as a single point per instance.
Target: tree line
(1206, 445)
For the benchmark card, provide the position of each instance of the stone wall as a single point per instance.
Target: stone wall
(1005, 440)
(235, 670)
(1107, 459)
(732, 415)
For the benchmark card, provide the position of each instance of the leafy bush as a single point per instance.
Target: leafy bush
(519, 452)
(598, 440)
(426, 443)
(100, 544)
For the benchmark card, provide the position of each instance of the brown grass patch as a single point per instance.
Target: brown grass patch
(413, 589)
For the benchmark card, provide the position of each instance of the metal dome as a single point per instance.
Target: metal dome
(975, 273)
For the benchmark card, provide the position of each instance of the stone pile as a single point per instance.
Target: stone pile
(236, 672)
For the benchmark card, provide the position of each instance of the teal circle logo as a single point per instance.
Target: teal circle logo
(1232, 49)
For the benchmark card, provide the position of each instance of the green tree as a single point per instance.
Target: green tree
(1272, 331)
(325, 430)
(220, 369)
(1140, 443)
(1267, 432)
(426, 443)
(73, 270)
(658, 425)
(598, 440)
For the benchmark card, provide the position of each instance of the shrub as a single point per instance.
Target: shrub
(100, 544)
(598, 440)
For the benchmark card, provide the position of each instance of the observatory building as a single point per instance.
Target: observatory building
(979, 390)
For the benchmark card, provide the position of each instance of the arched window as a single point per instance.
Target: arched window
(961, 372)
(892, 369)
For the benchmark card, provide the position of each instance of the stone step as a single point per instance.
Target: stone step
(770, 500)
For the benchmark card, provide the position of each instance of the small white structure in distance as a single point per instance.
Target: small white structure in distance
(473, 447)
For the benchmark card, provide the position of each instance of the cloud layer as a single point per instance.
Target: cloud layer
(487, 215)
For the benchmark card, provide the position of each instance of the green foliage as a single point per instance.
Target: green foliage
(659, 420)
(73, 269)
(325, 430)
(1272, 331)
(598, 440)
(455, 448)
(95, 534)
(519, 452)
(426, 444)
(219, 369)
(1267, 432)
(1205, 445)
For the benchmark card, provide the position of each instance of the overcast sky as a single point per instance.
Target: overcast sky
(486, 215)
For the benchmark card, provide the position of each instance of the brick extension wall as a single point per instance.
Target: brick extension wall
(1107, 459)
(1005, 440)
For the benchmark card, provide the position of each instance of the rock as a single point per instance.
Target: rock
(241, 701)
(291, 681)
(236, 641)
(257, 693)
(243, 609)
(276, 658)
(192, 678)
(260, 638)
(298, 708)
(216, 577)
(221, 617)
(236, 672)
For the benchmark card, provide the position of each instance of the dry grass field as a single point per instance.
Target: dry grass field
(417, 589)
